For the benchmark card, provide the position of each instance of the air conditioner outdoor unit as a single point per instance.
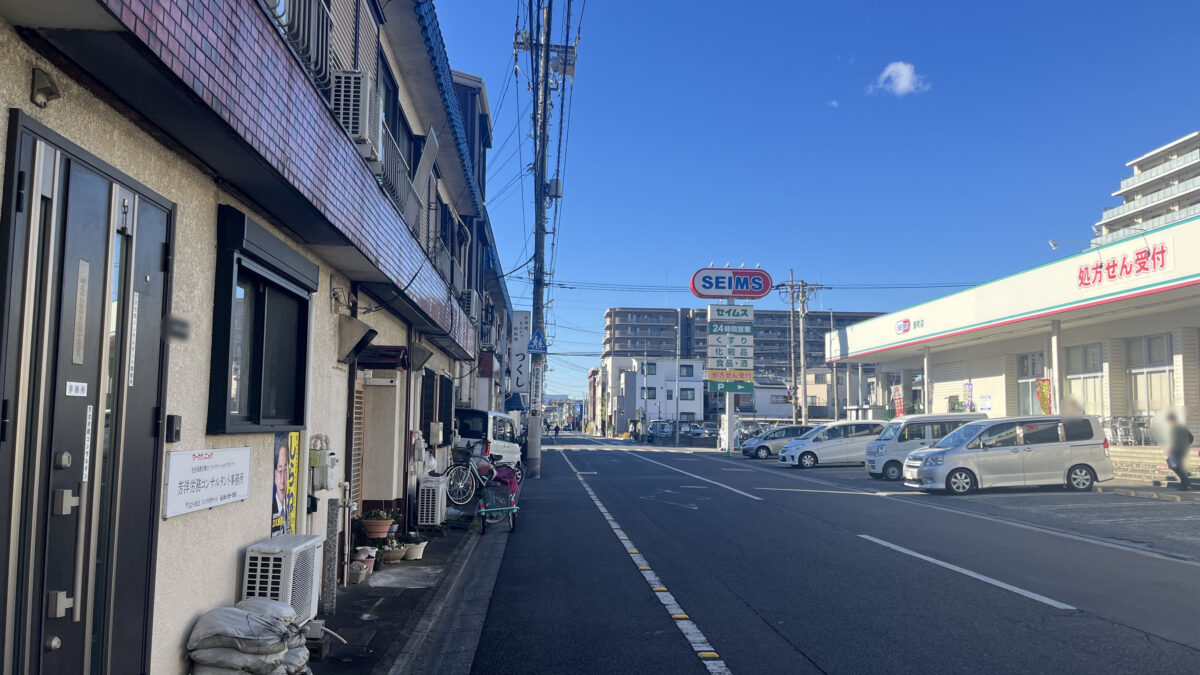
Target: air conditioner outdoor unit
(356, 103)
(431, 502)
(472, 304)
(286, 568)
(487, 337)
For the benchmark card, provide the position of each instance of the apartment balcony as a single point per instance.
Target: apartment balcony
(1147, 225)
(394, 174)
(1181, 162)
(1150, 200)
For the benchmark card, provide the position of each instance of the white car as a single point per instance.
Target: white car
(908, 433)
(833, 443)
(490, 434)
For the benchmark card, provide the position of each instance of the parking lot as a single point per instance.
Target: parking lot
(1167, 527)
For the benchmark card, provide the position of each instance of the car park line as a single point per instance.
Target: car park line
(974, 575)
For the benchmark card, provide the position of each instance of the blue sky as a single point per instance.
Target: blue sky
(708, 131)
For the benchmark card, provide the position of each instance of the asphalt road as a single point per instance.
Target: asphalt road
(762, 569)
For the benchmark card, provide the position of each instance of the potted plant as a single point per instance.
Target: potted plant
(416, 546)
(397, 519)
(377, 522)
(393, 550)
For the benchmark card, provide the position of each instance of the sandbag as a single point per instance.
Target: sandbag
(268, 607)
(234, 628)
(224, 657)
(296, 661)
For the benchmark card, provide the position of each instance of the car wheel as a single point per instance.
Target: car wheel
(520, 472)
(1080, 478)
(808, 460)
(762, 452)
(892, 471)
(960, 482)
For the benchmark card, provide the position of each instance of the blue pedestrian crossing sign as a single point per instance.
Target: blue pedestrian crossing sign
(537, 344)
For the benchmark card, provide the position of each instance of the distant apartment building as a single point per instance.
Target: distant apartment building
(652, 334)
(1164, 189)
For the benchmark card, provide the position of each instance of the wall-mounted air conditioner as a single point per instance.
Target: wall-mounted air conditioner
(472, 304)
(286, 568)
(487, 337)
(355, 101)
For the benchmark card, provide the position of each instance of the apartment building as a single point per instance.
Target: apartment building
(260, 227)
(1163, 189)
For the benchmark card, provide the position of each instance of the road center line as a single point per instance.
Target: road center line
(974, 575)
(691, 632)
(706, 480)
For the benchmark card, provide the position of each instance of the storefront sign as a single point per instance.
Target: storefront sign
(285, 494)
(1145, 260)
(719, 352)
(202, 479)
(731, 329)
(724, 282)
(518, 350)
(731, 387)
(730, 313)
(729, 375)
(968, 397)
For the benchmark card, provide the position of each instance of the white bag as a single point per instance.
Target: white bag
(224, 657)
(234, 628)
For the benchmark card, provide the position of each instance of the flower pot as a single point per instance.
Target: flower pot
(356, 576)
(394, 555)
(377, 529)
(415, 551)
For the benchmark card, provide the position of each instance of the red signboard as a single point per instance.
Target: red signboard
(725, 282)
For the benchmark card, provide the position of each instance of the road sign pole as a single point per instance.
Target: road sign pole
(730, 415)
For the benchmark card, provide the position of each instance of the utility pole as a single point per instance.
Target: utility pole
(541, 84)
(678, 348)
(835, 374)
(798, 293)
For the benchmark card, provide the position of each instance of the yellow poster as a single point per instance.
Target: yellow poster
(285, 495)
(1043, 395)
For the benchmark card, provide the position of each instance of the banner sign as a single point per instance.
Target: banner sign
(730, 363)
(725, 282)
(730, 313)
(898, 399)
(726, 340)
(285, 497)
(1043, 394)
(202, 479)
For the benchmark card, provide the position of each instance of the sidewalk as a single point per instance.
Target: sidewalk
(1131, 489)
(379, 616)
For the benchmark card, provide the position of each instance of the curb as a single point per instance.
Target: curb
(1147, 494)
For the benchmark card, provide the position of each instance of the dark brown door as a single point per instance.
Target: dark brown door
(82, 365)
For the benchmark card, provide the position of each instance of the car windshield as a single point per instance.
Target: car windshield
(813, 432)
(890, 431)
(961, 435)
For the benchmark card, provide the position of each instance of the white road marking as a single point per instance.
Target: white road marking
(706, 480)
(691, 632)
(916, 500)
(974, 575)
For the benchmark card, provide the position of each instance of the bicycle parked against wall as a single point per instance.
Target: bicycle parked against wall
(469, 473)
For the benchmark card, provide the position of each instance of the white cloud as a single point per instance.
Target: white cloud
(833, 103)
(899, 78)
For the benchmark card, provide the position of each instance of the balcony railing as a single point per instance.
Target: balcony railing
(393, 173)
(1151, 174)
(1146, 225)
(1150, 199)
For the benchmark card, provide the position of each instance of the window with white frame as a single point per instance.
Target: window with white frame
(1030, 368)
(779, 399)
(687, 416)
(670, 394)
(649, 393)
(1085, 378)
(687, 394)
(651, 369)
(686, 370)
(1151, 374)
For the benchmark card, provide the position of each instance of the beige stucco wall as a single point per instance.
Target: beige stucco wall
(199, 554)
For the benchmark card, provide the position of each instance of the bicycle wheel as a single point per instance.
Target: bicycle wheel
(460, 484)
(520, 472)
(512, 521)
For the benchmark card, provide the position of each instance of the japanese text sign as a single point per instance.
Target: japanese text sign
(202, 479)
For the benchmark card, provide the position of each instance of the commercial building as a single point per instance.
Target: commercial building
(234, 233)
(1112, 331)
(633, 333)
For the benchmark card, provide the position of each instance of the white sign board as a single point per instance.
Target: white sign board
(519, 350)
(719, 363)
(725, 340)
(730, 313)
(202, 479)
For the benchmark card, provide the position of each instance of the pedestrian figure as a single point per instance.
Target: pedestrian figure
(556, 430)
(1179, 442)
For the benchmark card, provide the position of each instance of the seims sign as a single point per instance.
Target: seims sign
(718, 282)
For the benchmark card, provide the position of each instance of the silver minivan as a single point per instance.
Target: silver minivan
(904, 434)
(1014, 451)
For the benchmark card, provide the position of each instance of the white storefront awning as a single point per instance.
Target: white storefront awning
(1146, 273)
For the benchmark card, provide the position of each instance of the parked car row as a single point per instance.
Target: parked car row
(956, 452)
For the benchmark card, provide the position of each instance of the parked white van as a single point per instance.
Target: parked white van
(498, 433)
(904, 434)
(1013, 451)
(833, 443)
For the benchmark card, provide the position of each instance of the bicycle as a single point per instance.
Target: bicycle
(463, 479)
